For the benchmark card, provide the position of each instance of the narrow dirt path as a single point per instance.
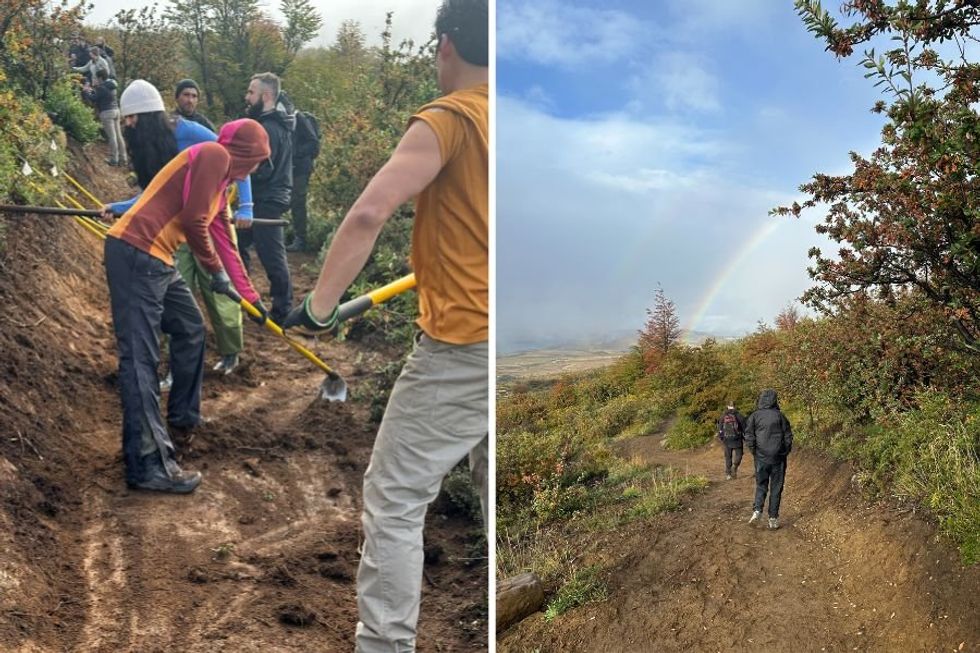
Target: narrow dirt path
(841, 574)
(262, 557)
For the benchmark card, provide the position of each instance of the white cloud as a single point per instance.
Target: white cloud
(593, 213)
(678, 81)
(554, 33)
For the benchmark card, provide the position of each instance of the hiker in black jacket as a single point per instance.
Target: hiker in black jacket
(731, 428)
(770, 439)
(272, 187)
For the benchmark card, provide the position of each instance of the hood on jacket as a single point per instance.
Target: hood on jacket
(110, 84)
(247, 143)
(284, 112)
(767, 399)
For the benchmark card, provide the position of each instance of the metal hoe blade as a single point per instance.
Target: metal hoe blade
(333, 388)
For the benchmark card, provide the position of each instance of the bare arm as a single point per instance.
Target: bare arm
(413, 165)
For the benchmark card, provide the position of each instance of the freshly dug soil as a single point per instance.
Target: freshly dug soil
(262, 557)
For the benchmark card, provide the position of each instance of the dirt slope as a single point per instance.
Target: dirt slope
(842, 574)
(261, 558)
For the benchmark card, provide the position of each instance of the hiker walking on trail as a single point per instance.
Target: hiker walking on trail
(148, 296)
(731, 429)
(103, 96)
(271, 187)
(769, 437)
(437, 411)
(154, 138)
(187, 95)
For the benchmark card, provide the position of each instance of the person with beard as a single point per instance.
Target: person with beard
(148, 295)
(187, 95)
(272, 186)
(438, 409)
(153, 138)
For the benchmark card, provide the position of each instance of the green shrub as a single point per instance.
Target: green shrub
(458, 496)
(665, 493)
(584, 586)
(685, 433)
(66, 108)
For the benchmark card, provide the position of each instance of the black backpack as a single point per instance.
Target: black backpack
(307, 135)
(729, 426)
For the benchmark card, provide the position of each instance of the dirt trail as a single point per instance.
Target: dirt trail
(842, 574)
(261, 558)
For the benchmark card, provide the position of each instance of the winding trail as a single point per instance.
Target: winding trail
(841, 574)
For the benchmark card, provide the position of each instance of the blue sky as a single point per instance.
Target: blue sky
(643, 142)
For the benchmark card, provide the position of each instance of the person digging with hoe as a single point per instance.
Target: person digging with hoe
(148, 296)
(437, 412)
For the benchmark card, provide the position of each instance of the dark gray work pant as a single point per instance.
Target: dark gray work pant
(148, 296)
(301, 184)
(769, 476)
(270, 245)
(733, 458)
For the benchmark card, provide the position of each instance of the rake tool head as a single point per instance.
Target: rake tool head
(333, 388)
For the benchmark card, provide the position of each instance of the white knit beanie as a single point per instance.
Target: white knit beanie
(140, 97)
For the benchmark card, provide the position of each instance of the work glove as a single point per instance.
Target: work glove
(220, 283)
(260, 307)
(302, 316)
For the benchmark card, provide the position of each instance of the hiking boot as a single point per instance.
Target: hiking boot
(734, 473)
(756, 515)
(227, 364)
(167, 382)
(773, 523)
(728, 477)
(298, 245)
(156, 479)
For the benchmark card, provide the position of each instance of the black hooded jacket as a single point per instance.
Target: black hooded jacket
(272, 184)
(768, 433)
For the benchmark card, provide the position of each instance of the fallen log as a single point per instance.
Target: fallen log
(518, 597)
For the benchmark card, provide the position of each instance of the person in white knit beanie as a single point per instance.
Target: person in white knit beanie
(140, 97)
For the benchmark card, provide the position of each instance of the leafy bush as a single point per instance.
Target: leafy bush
(458, 496)
(585, 586)
(685, 433)
(66, 108)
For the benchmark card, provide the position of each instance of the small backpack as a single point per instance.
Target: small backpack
(308, 127)
(729, 426)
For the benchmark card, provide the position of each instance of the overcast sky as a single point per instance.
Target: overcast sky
(645, 142)
(412, 18)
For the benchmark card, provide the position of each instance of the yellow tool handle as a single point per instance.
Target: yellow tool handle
(358, 305)
(384, 293)
(275, 328)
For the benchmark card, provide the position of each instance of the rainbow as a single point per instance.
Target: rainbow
(706, 301)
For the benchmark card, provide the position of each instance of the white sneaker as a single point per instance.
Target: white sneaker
(167, 382)
(756, 515)
(728, 477)
(773, 523)
(227, 364)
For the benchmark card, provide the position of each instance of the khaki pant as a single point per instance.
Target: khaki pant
(437, 414)
(113, 133)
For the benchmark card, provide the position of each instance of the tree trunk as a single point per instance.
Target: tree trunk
(518, 597)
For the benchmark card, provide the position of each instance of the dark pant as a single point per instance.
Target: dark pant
(298, 207)
(147, 297)
(730, 464)
(270, 245)
(769, 477)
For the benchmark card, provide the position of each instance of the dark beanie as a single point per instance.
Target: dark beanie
(185, 83)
